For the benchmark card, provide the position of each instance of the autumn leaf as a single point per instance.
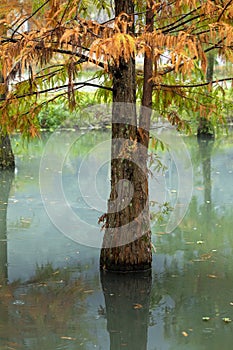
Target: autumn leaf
(67, 338)
(185, 334)
(212, 276)
(205, 318)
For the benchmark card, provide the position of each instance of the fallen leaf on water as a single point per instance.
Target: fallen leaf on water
(12, 345)
(185, 334)
(206, 256)
(226, 319)
(137, 306)
(205, 318)
(68, 338)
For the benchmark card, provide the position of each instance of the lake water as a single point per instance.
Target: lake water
(52, 295)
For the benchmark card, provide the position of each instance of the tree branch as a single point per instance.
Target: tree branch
(224, 9)
(176, 25)
(57, 88)
(26, 19)
(82, 56)
(193, 85)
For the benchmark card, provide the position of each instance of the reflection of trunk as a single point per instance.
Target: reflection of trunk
(127, 240)
(205, 127)
(6, 178)
(127, 298)
(7, 160)
(205, 148)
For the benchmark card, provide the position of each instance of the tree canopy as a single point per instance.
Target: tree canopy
(44, 44)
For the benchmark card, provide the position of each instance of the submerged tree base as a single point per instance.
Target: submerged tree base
(123, 267)
(132, 257)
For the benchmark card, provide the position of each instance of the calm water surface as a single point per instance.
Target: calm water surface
(52, 295)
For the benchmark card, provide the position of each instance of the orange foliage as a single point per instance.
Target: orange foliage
(184, 31)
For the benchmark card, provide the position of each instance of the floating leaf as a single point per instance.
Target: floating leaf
(185, 334)
(212, 276)
(206, 256)
(67, 338)
(205, 318)
(200, 242)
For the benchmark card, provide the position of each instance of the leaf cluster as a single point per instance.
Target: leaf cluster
(62, 36)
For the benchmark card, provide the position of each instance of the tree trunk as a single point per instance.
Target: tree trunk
(127, 300)
(205, 128)
(127, 239)
(7, 160)
(6, 178)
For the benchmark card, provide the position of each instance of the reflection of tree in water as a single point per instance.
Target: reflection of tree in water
(47, 312)
(127, 299)
(197, 277)
(6, 178)
(205, 148)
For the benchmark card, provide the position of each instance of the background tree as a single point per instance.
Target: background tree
(205, 127)
(10, 13)
(6, 178)
(174, 39)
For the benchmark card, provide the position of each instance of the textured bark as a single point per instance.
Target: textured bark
(127, 299)
(126, 224)
(6, 178)
(127, 239)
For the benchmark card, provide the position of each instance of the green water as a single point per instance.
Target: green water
(52, 295)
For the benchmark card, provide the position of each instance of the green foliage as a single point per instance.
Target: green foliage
(53, 115)
(57, 113)
(103, 95)
(36, 4)
(159, 212)
(183, 105)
